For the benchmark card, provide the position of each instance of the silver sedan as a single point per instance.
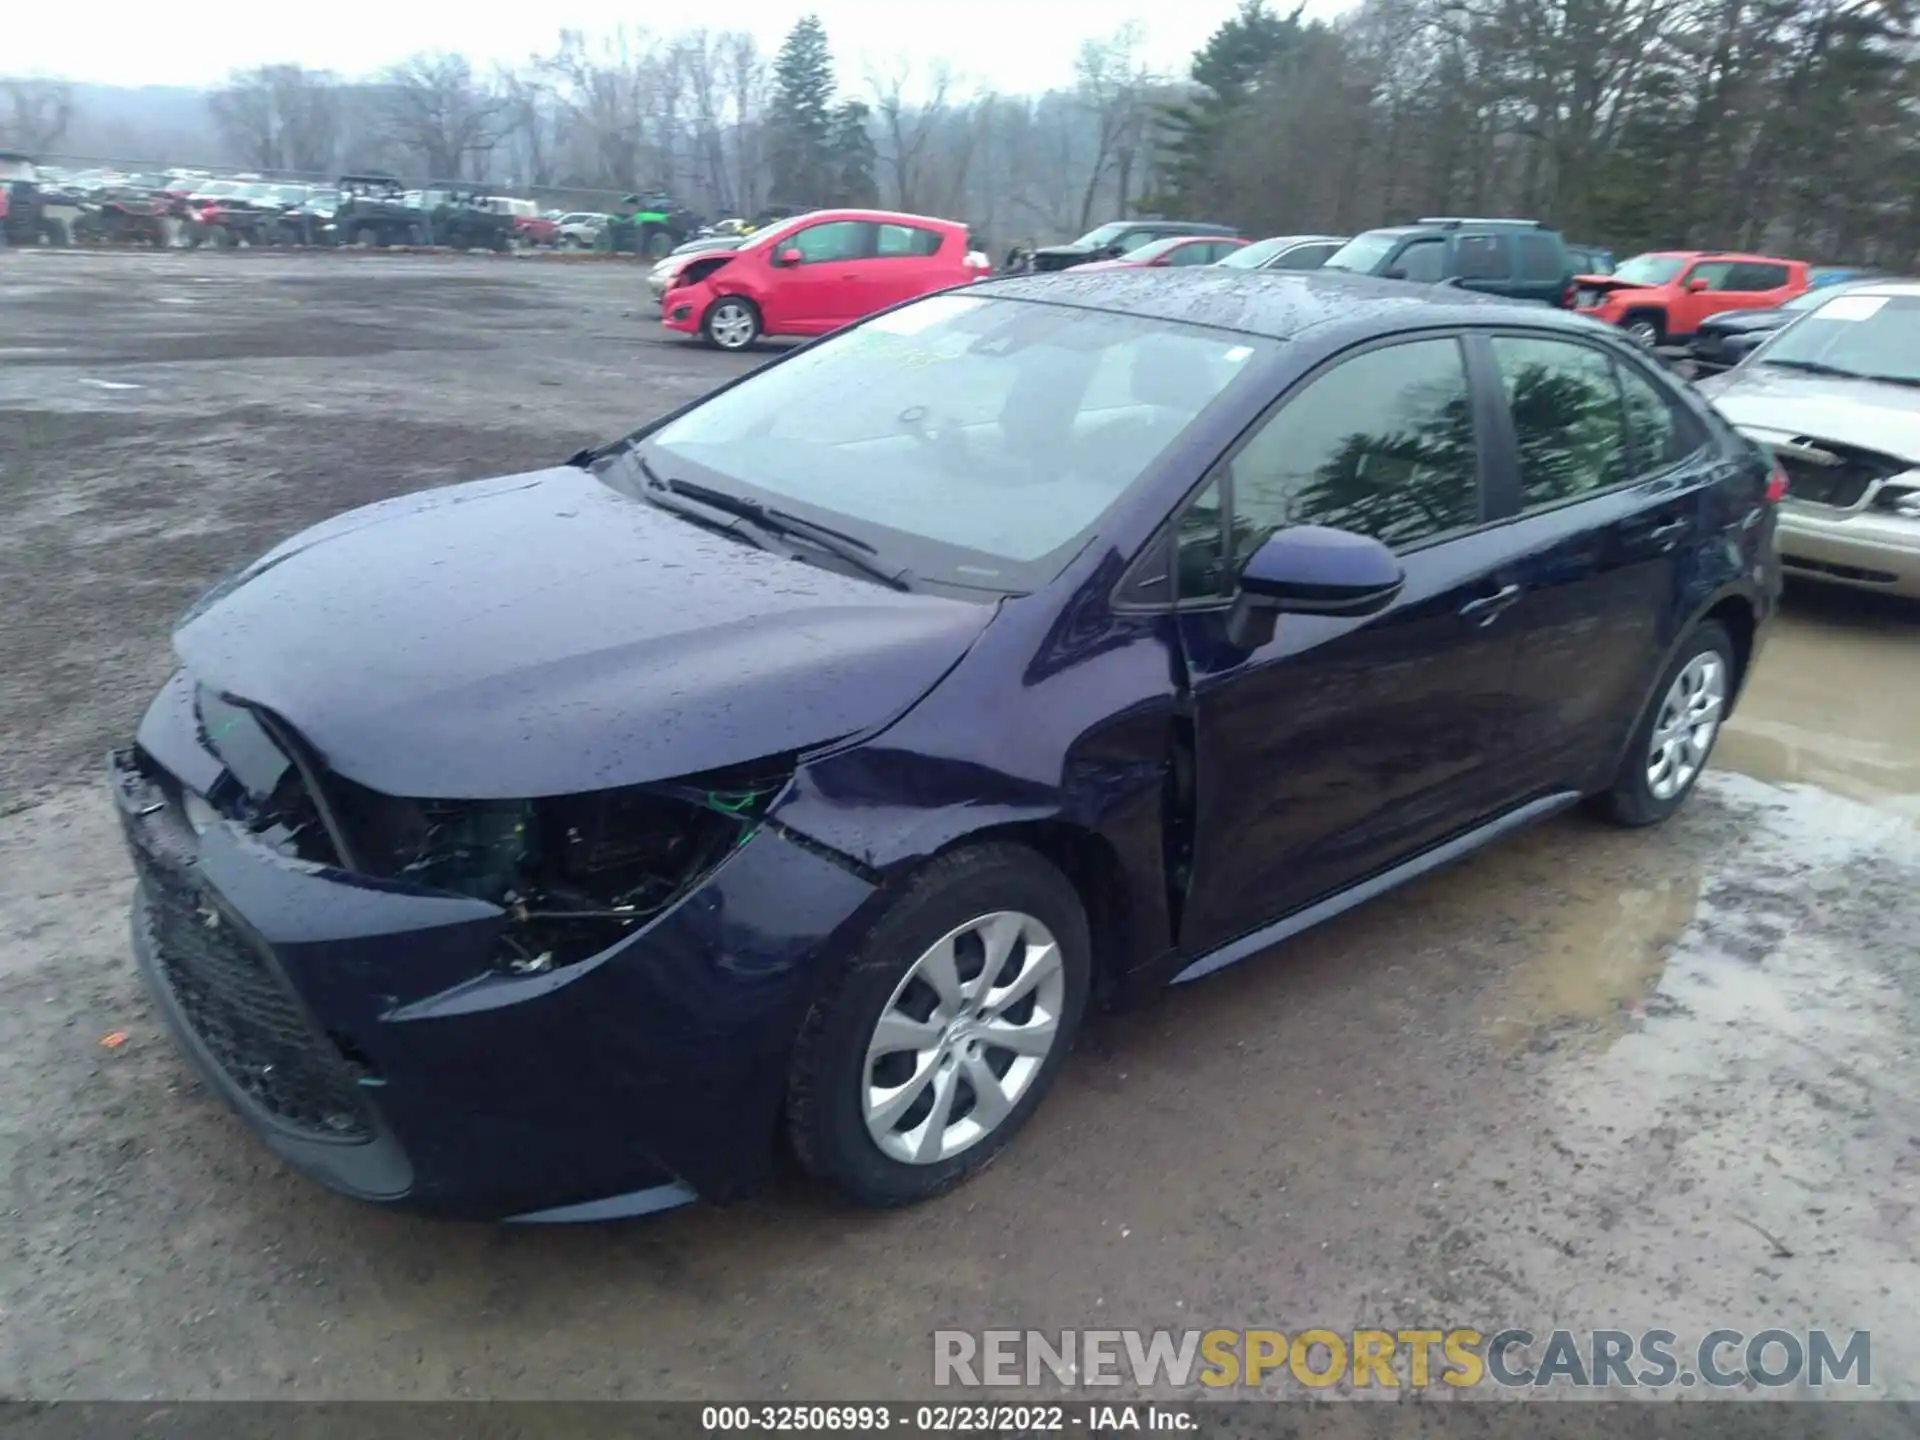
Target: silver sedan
(1836, 397)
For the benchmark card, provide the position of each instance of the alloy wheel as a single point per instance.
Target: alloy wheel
(732, 325)
(1688, 720)
(963, 1037)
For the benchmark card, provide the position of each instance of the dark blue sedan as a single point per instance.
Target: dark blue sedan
(805, 763)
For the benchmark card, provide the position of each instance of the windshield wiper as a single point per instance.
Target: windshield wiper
(842, 546)
(1815, 367)
(1894, 379)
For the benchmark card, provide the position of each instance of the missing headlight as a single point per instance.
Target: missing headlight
(576, 872)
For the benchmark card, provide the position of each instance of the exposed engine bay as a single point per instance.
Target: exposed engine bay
(574, 872)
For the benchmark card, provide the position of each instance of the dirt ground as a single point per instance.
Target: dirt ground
(1586, 1078)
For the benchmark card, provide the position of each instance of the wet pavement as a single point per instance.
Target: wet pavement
(1586, 1078)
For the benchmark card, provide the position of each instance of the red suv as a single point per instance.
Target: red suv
(1661, 298)
(815, 273)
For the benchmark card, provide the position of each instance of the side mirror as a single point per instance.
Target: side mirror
(1396, 273)
(1694, 287)
(1312, 570)
(789, 256)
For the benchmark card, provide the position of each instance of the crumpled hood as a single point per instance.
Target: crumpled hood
(543, 634)
(1788, 404)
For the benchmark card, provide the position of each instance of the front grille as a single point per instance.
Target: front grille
(243, 1013)
(1045, 262)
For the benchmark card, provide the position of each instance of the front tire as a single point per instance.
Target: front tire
(923, 1058)
(1672, 743)
(1645, 329)
(732, 323)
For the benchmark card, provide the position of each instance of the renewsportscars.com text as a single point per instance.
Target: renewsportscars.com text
(1415, 1359)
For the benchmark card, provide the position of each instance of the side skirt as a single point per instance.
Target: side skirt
(1444, 853)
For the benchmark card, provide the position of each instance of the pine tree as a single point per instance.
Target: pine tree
(1226, 69)
(852, 157)
(800, 115)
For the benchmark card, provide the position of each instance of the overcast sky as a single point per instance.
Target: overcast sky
(1013, 45)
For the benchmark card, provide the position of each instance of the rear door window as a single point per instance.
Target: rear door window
(1755, 276)
(835, 240)
(1483, 257)
(1537, 258)
(898, 241)
(1659, 432)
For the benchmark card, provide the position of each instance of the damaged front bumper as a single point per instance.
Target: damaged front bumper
(366, 1031)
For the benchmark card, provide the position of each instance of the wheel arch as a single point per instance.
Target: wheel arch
(1092, 866)
(1656, 313)
(1733, 607)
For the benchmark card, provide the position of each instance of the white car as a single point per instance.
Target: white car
(580, 229)
(1836, 396)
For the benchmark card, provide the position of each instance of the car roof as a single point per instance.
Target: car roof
(1448, 226)
(1740, 255)
(886, 217)
(1893, 288)
(1277, 304)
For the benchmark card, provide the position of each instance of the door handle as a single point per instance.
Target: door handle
(1488, 608)
(1672, 530)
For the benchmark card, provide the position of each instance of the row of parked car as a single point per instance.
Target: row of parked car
(1712, 307)
(817, 272)
(190, 208)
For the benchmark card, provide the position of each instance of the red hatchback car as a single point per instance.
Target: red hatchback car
(815, 273)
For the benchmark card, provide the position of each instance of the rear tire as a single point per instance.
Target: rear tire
(1674, 739)
(897, 1089)
(732, 323)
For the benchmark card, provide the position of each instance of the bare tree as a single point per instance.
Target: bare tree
(436, 111)
(907, 127)
(34, 114)
(745, 80)
(605, 85)
(1112, 89)
(528, 116)
(279, 117)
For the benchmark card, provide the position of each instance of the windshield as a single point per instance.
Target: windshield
(972, 441)
(1815, 297)
(1105, 235)
(1364, 253)
(1252, 257)
(1647, 270)
(1872, 337)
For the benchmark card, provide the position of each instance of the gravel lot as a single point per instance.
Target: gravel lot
(1585, 1078)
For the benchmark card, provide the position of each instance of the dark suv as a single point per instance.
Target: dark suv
(1520, 259)
(1113, 240)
